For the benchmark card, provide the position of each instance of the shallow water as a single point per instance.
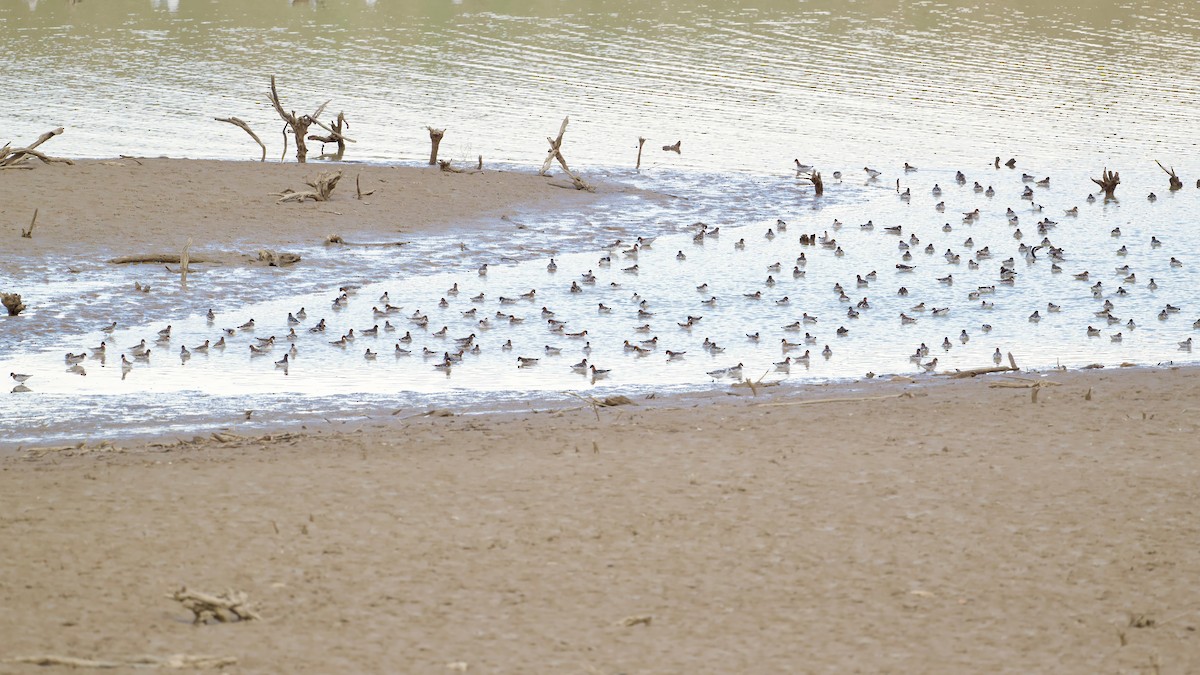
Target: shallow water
(873, 84)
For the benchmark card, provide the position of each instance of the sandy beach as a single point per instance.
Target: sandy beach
(885, 526)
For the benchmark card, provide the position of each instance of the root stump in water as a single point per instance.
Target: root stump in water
(1108, 181)
(641, 144)
(435, 139)
(12, 302)
(334, 135)
(298, 125)
(674, 148)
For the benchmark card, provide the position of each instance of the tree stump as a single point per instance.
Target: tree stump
(12, 302)
(674, 148)
(435, 139)
(297, 124)
(1108, 181)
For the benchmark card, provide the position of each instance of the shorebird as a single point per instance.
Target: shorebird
(19, 377)
(871, 173)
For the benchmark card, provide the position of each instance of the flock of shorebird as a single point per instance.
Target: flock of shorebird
(474, 316)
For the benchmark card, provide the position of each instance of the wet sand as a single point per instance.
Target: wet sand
(939, 526)
(959, 528)
(146, 206)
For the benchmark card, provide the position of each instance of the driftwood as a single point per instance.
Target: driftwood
(674, 148)
(641, 143)
(276, 258)
(338, 240)
(435, 139)
(12, 156)
(246, 127)
(1108, 181)
(228, 606)
(174, 661)
(156, 258)
(1176, 184)
(844, 399)
(322, 187)
(555, 153)
(333, 134)
(28, 234)
(297, 124)
(445, 165)
(12, 302)
(959, 374)
(813, 177)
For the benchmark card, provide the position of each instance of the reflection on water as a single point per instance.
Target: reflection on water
(745, 85)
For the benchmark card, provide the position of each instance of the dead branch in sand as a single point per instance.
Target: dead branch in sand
(174, 661)
(674, 148)
(555, 153)
(246, 127)
(155, 258)
(12, 156)
(435, 139)
(28, 234)
(183, 264)
(1176, 184)
(228, 606)
(641, 143)
(12, 302)
(959, 374)
(358, 187)
(1108, 181)
(297, 124)
(446, 165)
(322, 187)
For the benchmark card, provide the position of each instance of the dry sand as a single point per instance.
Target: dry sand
(961, 529)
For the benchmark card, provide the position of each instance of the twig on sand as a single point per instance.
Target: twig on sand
(28, 233)
(174, 661)
(845, 399)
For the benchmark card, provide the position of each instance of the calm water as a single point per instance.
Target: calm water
(840, 85)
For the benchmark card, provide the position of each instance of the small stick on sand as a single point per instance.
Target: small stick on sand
(174, 661)
(358, 187)
(246, 127)
(156, 258)
(28, 234)
(435, 139)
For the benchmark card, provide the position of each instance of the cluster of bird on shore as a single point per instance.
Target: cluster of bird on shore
(480, 321)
